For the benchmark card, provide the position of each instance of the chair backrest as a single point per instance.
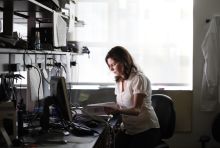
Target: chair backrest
(164, 108)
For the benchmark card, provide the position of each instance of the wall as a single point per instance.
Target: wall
(201, 121)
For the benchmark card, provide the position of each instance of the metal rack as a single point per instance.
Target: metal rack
(31, 10)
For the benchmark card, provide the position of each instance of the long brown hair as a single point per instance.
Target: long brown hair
(121, 55)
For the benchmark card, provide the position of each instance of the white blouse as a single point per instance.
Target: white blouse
(137, 83)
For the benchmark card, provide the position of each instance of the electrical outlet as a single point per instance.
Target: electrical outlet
(73, 63)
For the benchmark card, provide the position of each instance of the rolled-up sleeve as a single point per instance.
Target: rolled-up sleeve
(139, 85)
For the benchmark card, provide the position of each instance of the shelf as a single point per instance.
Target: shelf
(21, 9)
(34, 13)
(43, 52)
(46, 8)
(41, 5)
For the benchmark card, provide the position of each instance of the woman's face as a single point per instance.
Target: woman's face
(116, 67)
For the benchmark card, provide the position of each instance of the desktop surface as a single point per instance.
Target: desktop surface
(62, 138)
(95, 137)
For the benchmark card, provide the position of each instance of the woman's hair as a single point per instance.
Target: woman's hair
(121, 55)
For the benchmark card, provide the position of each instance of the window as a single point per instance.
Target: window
(158, 33)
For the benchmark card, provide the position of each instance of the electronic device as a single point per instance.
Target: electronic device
(58, 97)
(78, 129)
(59, 91)
(86, 120)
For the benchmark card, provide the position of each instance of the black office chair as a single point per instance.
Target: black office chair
(164, 108)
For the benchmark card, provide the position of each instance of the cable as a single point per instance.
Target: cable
(58, 65)
(63, 67)
(42, 74)
(55, 61)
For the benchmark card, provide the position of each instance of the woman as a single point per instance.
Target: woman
(133, 97)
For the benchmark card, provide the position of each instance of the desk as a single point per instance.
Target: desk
(56, 140)
(97, 141)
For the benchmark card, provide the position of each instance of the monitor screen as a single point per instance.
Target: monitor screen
(58, 91)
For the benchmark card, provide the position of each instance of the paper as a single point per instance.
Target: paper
(105, 104)
(98, 108)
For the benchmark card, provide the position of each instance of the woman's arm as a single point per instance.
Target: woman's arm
(138, 100)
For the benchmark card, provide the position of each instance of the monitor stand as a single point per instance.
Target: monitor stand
(44, 119)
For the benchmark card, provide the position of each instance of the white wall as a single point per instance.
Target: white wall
(201, 121)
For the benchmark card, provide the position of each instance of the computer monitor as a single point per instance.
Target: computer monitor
(58, 98)
(58, 91)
